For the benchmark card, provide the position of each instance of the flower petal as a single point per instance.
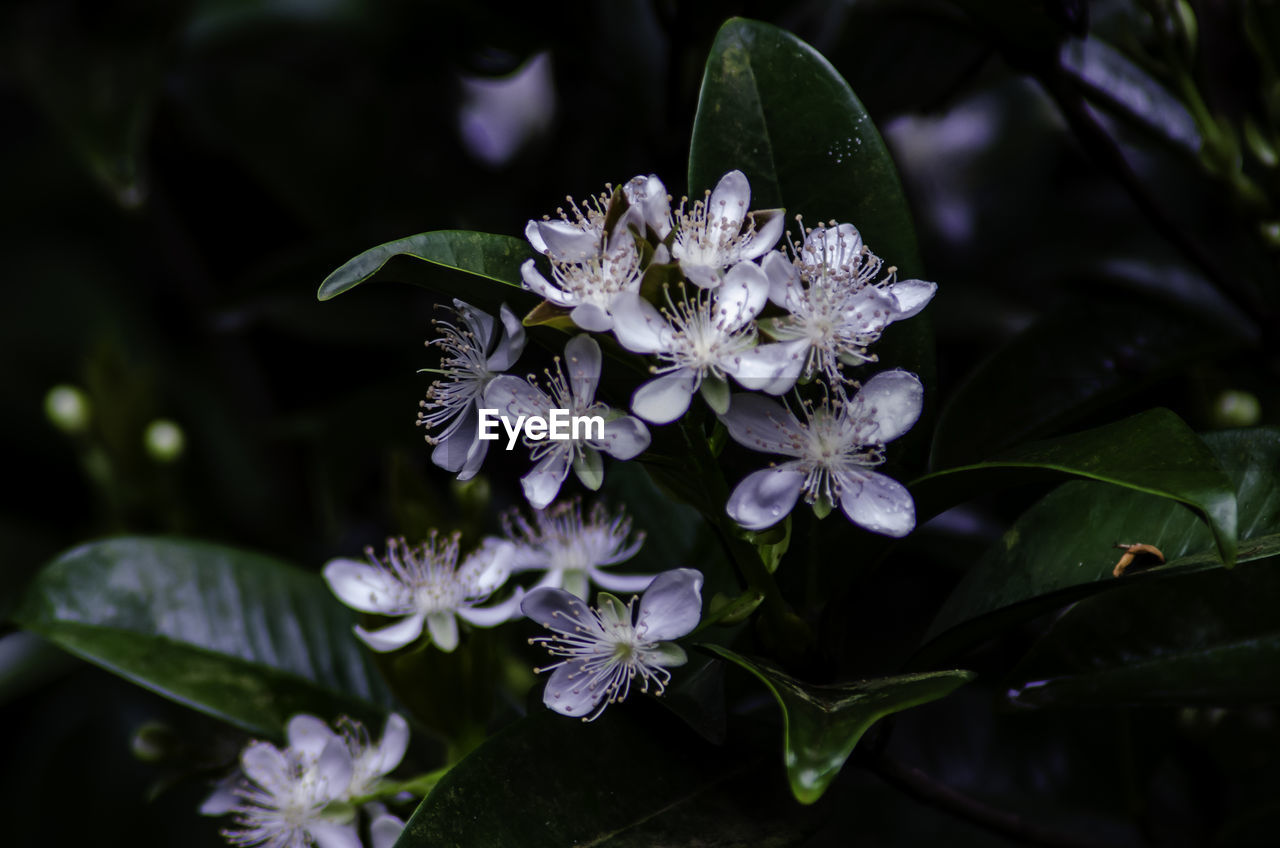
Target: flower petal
(649, 195)
(637, 324)
(534, 236)
(887, 406)
(308, 735)
(330, 834)
(702, 276)
(572, 690)
(222, 800)
(510, 343)
(333, 768)
(672, 605)
(664, 399)
(625, 437)
(784, 280)
(266, 765)
(771, 368)
(542, 484)
(475, 459)
(765, 497)
(582, 356)
(479, 322)
(492, 616)
(558, 610)
(769, 224)
(912, 296)
(568, 242)
(385, 830)
(513, 397)
(391, 747)
(764, 425)
(364, 587)
(620, 582)
(743, 294)
(393, 637)
(878, 503)
(592, 318)
(536, 283)
(443, 627)
(454, 445)
(727, 207)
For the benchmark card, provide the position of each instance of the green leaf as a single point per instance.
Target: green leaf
(1062, 548)
(761, 91)
(234, 634)
(1153, 452)
(1081, 357)
(492, 257)
(822, 724)
(1211, 638)
(551, 781)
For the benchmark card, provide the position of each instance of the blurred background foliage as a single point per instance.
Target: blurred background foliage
(1096, 191)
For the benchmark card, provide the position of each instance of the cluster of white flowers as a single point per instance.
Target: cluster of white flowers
(704, 291)
(305, 794)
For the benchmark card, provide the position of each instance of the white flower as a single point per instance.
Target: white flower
(836, 307)
(472, 354)
(426, 585)
(701, 341)
(624, 437)
(589, 285)
(605, 649)
(371, 761)
(834, 448)
(572, 551)
(711, 236)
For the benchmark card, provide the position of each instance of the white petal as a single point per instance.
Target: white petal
(456, 442)
(624, 438)
(362, 586)
(769, 224)
(393, 637)
(493, 559)
(536, 283)
(568, 242)
(912, 296)
(391, 748)
(765, 497)
(266, 766)
(878, 503)
(475, 459)
(492, 616)
(784, 280)
(671, 606)
(513, 397)
(542, 484)
(727, 207)
(649, 195)
(592, 318)
(869, 312)
(334, 767)
(582, 356)
(637, 324)
(620, 582)
(664, 399)
(328, 834)
(556, 609)
(385, 830)
(569, 691)
(443, 627)
(887, 406)
(742, 295)
(764, 425)
(510, 343)
(703, 276)
(221, 801)
(535, 237)
(478, 321)
(308, 735)
(771, 368)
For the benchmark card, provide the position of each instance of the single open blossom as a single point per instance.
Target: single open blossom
(574, 551)
(605, 648)
(623, 437)
(836, 306)
(588, 286)
(718, 232)
(425, 585)
(702, 340)
(473, 350)
(834, 450)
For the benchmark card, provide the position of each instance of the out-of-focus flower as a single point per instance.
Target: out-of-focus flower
(499, 116)
(622, 436)
(427, 586)
(473, 351)
(834, 448)
(371, 761)
(718, 232)
(574, 551)
(605, 648)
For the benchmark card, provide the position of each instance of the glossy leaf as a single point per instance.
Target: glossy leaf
(1075, 360)
(234, 634)
(1153, 452)
(1062, 548)
(822, 724)
(619, 781)
(494, 258)
(1211, 638)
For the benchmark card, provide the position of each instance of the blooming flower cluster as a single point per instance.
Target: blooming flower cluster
(304, 794)
(705, 293)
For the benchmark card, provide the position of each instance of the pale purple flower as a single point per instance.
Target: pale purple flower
(604, 649)
(717, 233)
(834, 449)
(427, 586)
(624, 437)
(473, 351)
(574, 551)
(700, 341)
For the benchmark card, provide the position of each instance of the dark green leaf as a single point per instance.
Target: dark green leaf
(234, 634)
(1210, 638)
(1153, 452)
(822, 724)
(1062, 548)
(492, 257)
(1077, 359)
(551, 781)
